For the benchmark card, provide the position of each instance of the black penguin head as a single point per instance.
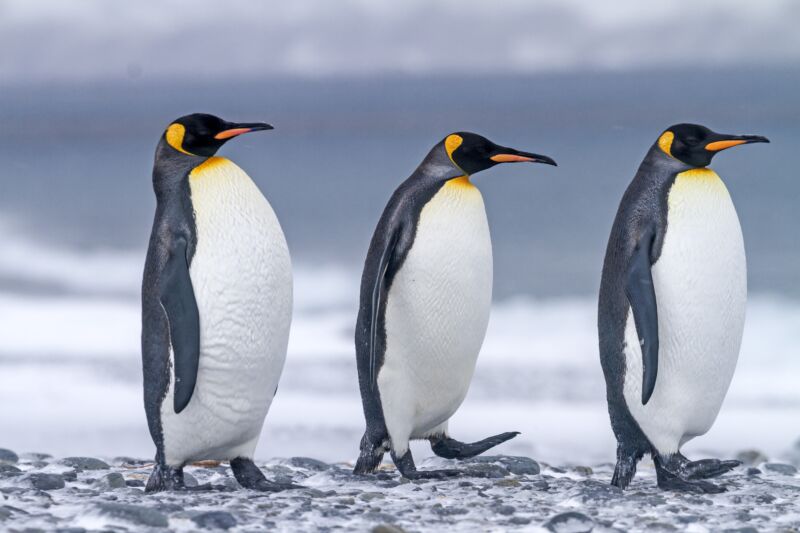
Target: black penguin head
(695, 145)
(201, 134)
(472, 153)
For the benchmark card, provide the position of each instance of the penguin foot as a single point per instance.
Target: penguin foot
(408, 469)
(452, 449)
(671, 474)
(250, 476)
(707, 468)
(669, 481)
(626, 466)
(163, 478)
(371, 456)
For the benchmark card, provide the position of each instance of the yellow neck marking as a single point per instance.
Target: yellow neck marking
(209, 165)
(460, 182)
(692, 182)
(175, 134)
(665, 142)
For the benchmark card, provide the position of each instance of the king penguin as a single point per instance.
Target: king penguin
(672, 306)
(426, 292)
(216, 306)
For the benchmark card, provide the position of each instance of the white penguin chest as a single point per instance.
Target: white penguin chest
(700, 282)
(241, 276)
(438, 307)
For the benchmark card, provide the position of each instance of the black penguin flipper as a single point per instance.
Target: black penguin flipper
(177, 298)
(378, 293)
(642, 297)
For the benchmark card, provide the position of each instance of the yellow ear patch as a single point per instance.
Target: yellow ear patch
(451, 143)
(175, 134)
(665, 142)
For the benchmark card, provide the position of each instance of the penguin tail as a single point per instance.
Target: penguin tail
(371, 455)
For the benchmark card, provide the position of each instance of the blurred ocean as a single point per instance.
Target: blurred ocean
(76, 206)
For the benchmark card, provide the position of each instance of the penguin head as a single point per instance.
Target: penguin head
(472, 153)
(695, 145)
(202, 135)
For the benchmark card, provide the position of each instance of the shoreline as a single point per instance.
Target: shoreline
(501, 493)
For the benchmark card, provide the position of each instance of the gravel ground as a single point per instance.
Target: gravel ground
(75, 494)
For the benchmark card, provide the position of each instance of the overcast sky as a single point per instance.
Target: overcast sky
(107, 39)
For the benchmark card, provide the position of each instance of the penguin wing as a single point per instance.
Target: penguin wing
(378, 292)
(642, 297)
(177, 298)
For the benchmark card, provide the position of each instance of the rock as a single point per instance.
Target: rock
(369, 496)
(4, 468)
(515, 464)
(8, 457)
(781, 468)
(596, 491)
(507, 483)
(377, 516)
(520, 520)
(46, 481)
(583, 470)
(505, 510)
(134, 513)
(487, 470)
(111, 481)
(441, 510)
(70, 530)
(751, 457)
(308, 463)
(215, 520)
(189, 480)
(569, 522)
(134, 483)
(85, 463)
(387, 528)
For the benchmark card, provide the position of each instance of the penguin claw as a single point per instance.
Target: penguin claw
(708, 468)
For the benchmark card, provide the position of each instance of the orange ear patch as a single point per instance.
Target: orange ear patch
(665, 142)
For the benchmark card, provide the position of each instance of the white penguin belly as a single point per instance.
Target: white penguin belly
(241, 275)
(700, 283)
(437, 312)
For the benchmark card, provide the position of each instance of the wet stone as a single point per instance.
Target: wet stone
(781, 468)
(7, 456)
(111, 481)
(85, 463)
(514, 464)
(308, 464)
(134, 513)
(7, 468)
(487, 470)
(215, 520)
(570, 522)
(46, 481)
(592, 490)
(369, 496)
(583, 470)
(520, 520)
(751, 457)
(441, 510)
(506, 510)
(387, 528)
(377, 516)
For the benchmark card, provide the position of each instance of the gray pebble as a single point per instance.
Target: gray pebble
(520, 520)
(111, 481)
(134, 513)
(506, 510)
(571, 522)
(85, 463)
(515, 464)
(215, 520)
(377, 516)
(4, 468)
(387, 528)
(308, 463)
(189, 480)
(134, 483)
(781, 468)
(582, 470)
(46, 481)
(751, 457)
(7, 456)
(487, 470)
(369, 496)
